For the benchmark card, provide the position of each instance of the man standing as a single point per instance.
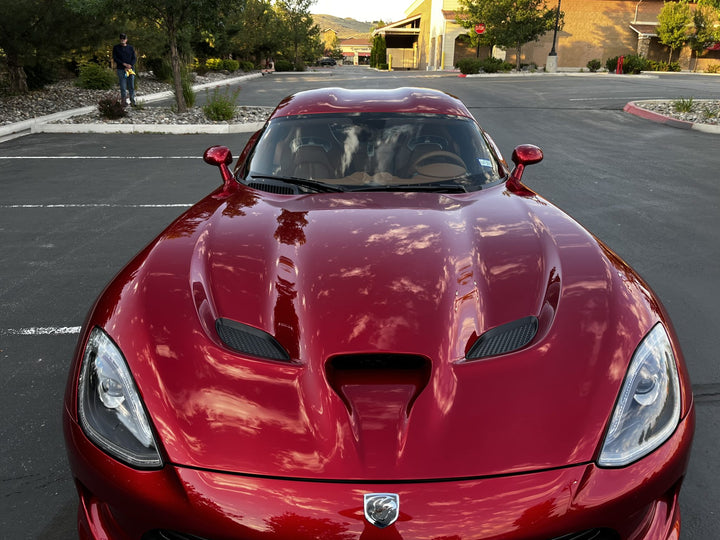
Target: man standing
(124, 58)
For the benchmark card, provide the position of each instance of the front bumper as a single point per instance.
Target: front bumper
(638, 502)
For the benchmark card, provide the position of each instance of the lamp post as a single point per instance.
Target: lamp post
(552, 61)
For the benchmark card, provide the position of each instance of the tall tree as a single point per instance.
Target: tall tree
(299, 27)
(39, 34)
(675, 20)
(175, 19)
(706, 30)
(509, 23)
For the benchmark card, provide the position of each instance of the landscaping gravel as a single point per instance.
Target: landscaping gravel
(64, 95)
(704, 111)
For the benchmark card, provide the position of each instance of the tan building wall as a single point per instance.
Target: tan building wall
(594, 29)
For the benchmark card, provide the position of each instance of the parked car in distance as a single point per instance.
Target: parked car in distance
(373, 329)
(327, 61)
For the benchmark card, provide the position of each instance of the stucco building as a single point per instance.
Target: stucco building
(430, 38)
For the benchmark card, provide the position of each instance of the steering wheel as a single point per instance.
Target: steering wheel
(439, 158)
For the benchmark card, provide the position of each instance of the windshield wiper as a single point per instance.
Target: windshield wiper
(437, 188)
(304, 182)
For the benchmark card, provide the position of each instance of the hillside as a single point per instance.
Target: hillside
(345, 28)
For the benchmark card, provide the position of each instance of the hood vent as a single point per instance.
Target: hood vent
(354, 377)
(249, 340)
(278, 188)
(504, 339)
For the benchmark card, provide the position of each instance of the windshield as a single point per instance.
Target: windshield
(367, 152)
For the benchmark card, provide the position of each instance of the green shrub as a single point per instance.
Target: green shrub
(221, 106)
(188, 92)
(111, 107)
(161, 69)
(40, 75)
(214, 64)
(230, 65)
(683, 105)
(632, 63)
(663, 66)
(611, 64)
(283, 65)
(247, 66)
(635, 64)
(494, 65)
(594, 65)
(95, 77)
(469, 66)
(715, 68)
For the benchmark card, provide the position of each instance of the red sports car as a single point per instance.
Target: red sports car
(374, 330)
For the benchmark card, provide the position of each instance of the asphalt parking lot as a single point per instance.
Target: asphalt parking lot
(74, 208)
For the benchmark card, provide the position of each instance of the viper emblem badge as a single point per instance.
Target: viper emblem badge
(382, 509)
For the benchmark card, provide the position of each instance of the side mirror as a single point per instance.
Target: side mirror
(525, 154)
(221, 157)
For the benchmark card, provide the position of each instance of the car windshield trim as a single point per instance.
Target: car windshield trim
(376, 151)
(316, 185)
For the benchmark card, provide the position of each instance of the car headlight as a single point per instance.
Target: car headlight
(110, 410)
(648, 409)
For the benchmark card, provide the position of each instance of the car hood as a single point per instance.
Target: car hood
(418, 277)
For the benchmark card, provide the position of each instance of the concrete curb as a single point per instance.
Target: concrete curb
(171, 129)
(44, 124)
(634, 109)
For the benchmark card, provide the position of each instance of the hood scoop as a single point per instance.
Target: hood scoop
(249, 340)
(504, 339)
(379, 391)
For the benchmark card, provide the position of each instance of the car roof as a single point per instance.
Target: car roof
(397, 100)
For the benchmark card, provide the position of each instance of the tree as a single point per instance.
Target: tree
(710, 3)
(259, 32)
(673, 30)
(706, 23)
(378, 51)
(509, 23)
(472, 13)
(300, 30)
(38, 34)
(176, 18)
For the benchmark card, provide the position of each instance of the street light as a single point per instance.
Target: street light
(552, 60)
(557, 25)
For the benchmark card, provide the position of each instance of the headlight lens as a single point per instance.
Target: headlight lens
(648, 409)
(109, 407)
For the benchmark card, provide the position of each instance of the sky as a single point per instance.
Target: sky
(363, 10)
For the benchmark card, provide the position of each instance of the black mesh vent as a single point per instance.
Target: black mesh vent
(592, 534)
(279, 189)
(504, 339)
(249, 340)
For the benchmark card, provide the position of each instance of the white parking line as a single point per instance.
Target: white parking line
(40, 331)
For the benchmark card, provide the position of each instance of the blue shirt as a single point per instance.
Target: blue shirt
(124, 55)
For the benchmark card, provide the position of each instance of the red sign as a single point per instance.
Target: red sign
(480, 28)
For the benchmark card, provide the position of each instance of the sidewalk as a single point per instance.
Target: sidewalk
(44, 124)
